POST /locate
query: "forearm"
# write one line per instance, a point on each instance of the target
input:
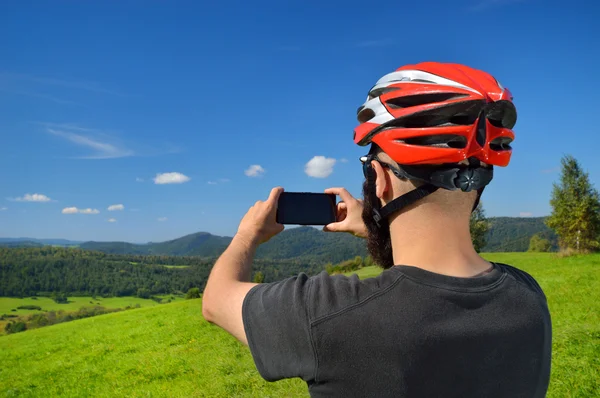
(228, 284)
(235, 264)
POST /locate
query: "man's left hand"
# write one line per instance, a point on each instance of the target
(259, 224)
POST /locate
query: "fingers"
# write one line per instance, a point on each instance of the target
(341, 192)
(274, 196)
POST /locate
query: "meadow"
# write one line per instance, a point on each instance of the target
(8, 304)
(170, 351)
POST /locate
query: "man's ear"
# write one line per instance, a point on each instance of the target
(382, 179)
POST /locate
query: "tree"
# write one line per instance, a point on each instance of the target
(59, 298)
(479, 227)
(575, 208)
(193, 293)
(539, 244)
(258, 277)
(143, 293)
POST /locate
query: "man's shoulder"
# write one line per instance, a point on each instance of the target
(332, 294)
(522, 277)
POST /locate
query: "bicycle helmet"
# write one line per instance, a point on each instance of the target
(432, 117)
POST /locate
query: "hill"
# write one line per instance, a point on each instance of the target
(170, 351)
(512, 234)
(43, 242)
(164, 351)
(303, 244)
(507, 234)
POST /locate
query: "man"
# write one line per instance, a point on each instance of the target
(440, 321)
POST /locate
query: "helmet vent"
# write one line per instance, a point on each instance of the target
(421, 99)
(458, 113)
(441, 141)
(365, 114)
(501, 144)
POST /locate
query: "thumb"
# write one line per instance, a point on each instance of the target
(333, 227)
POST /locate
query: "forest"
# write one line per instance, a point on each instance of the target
(75, 272)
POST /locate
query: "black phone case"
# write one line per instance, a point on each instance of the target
(319, 218)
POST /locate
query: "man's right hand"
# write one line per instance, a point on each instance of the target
(349, 214)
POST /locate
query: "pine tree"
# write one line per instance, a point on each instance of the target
(479, 228)
(575, 208)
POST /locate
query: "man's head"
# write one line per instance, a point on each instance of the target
(435, 132)
(383, 186)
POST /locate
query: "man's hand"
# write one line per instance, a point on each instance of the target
(259, 224)
(349, 214)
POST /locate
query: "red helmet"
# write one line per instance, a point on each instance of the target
(435, 113)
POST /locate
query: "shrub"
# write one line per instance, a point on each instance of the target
(143, 293)
(193, 293)
(59, 298)
(30, 307)
(15, 327)
(539, 244)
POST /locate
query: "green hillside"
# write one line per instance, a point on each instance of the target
(170, 351)
(512, 234)
(506, 234)
(165, 351)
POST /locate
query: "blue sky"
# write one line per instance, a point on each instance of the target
(98, 98)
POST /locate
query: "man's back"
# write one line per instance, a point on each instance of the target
(408, 332)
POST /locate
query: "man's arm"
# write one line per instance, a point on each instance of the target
(229, 280)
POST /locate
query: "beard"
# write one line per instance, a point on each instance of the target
(379, 243)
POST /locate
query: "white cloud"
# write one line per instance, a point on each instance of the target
(211, 183)
(138, 179)
(36, 197)
(89, 211)
(525, 214)
(171, 178)
(162, 219)
(102, 147)
(112, 220)
(343, 160)
(75, 210)
(319, 167)
(116, 207)
(3, 208)
(255, 170)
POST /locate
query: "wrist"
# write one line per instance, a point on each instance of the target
(247, 239)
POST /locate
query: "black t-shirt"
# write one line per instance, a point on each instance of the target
(405, 333)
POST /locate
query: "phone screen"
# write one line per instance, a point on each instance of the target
(304, 208)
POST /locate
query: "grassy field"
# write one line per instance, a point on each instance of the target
(170, 351)
(7, 304)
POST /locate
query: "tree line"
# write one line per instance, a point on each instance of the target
(59, 272)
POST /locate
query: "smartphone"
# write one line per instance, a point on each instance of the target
(306, 208)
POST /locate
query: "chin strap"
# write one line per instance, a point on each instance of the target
(402, 201)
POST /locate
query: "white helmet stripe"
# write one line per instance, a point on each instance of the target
(407, 76)
(381, 113)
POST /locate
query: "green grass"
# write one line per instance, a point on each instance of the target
(75, 303)
(167, 351)
(170, 351)
(176, 266)
(7, 304)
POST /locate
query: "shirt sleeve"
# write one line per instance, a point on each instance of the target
(277, 326)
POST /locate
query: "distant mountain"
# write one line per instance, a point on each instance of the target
(20, 243)
(303, 243)
(199, 244)
(43, 242)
